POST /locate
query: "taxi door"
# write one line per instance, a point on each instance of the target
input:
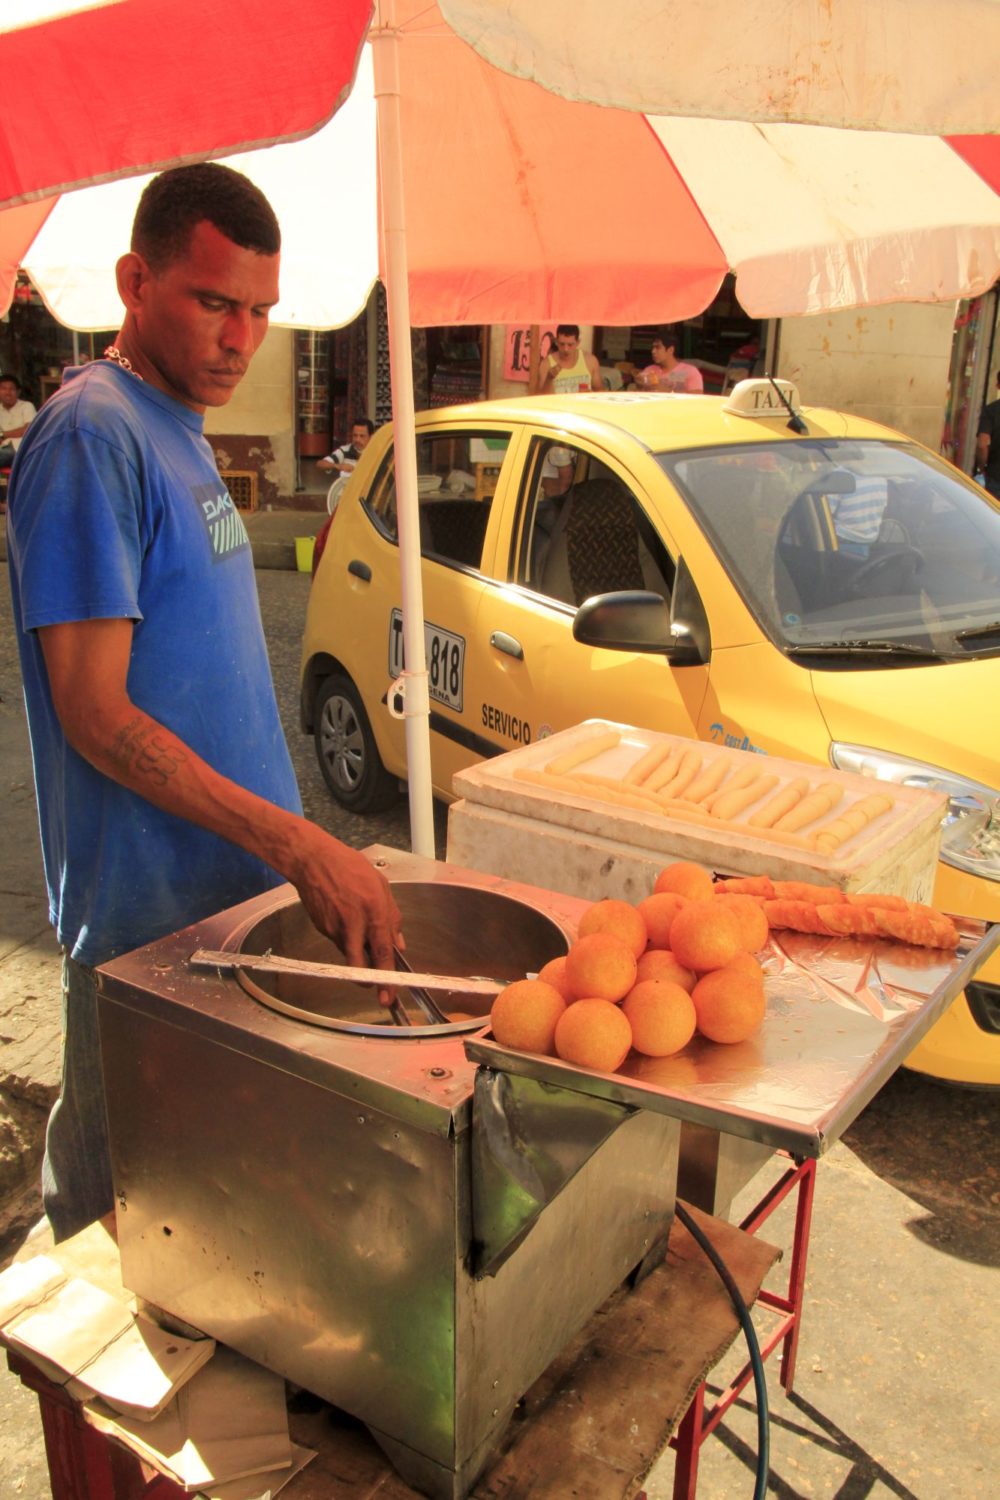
(581, 525)
(460, 474)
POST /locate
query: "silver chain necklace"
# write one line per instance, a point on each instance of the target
(116, 356)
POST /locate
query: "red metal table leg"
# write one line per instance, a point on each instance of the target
(699, 1423)
(687, 1443)
(797, 1275)
(802, 1177)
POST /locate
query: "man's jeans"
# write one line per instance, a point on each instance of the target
(76, 1171)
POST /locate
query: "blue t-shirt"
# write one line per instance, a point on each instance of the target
(116, 511)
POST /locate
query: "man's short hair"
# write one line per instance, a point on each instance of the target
(668, 337)
(13, 381)
(568, 330)
(364, 422)
(179, 199)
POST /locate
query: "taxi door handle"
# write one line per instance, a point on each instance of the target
(360, 570)
(507, 643)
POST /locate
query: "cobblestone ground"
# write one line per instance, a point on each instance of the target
(29, 961)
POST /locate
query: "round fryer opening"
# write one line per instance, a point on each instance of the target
(449, 929)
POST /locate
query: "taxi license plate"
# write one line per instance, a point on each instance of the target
(445, 660)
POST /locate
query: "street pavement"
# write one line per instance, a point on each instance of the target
(896, 1389)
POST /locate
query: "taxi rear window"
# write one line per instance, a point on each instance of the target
(457, 477)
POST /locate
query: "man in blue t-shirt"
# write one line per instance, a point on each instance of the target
(165, 788)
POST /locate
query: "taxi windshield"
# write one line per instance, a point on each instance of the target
(844, 547)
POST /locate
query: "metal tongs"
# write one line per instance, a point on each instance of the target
(432, 1011)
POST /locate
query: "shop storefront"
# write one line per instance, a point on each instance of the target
(344, 374)
(723, 342)
(922, 369)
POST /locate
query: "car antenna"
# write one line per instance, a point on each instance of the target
(795, 422)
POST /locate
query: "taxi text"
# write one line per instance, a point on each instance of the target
(505, 724)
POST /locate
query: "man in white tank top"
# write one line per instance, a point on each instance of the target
(570, 370)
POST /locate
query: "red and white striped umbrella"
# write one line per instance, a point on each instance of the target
(519, 204)
(915, 66)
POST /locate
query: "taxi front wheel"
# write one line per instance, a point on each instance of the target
(346, 750)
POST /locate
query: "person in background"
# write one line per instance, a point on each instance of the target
(988, 446)
(557, 471)
(857, 513)
(555, 480)
(165, 788)
(667, 372)
(15, 415)
(569, 370)
(343, 459)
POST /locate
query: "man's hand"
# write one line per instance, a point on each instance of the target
(549, 374)
(348, 900)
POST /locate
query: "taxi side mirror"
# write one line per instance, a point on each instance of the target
(625, 621)
(635, 621)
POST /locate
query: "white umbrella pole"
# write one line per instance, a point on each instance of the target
(384, 43)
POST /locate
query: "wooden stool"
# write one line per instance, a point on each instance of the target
(594, 1423)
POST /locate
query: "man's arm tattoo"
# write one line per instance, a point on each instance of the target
(142, 748)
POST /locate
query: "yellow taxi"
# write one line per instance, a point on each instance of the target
(741, 569)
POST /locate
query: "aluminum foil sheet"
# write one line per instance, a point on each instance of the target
(842, 1014)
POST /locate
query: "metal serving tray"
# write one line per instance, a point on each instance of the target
(842, 1014)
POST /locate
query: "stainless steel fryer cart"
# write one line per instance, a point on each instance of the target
(338, 1197)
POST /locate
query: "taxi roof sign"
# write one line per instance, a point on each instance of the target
(758, 398)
